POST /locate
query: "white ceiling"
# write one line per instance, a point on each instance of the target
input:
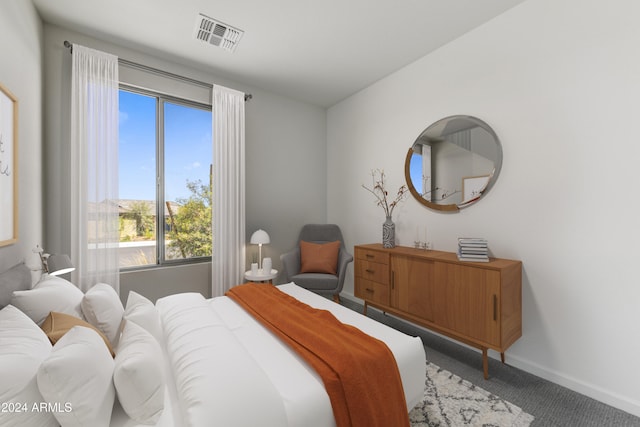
(317, 51)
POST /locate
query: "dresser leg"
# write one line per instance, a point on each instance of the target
(485, 363)
(502, 356)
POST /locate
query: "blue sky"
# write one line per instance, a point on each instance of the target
(188, 147)
(415, 171)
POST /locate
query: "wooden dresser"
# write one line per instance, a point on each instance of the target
(477, 303)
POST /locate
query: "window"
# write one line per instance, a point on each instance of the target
(165, 179)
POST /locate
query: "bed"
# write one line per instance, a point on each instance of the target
(215, 364)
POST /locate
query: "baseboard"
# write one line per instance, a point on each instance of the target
(610, 398)
(613, 399)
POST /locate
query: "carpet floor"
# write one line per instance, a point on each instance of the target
(550, 404)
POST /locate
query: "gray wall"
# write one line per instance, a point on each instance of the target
(285, 163)
(21, 73)
(286, 172)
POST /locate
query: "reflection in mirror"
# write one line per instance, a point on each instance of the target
(453, 163)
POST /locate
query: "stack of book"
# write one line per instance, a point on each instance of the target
(473, 249)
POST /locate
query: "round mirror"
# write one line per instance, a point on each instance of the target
(453, 163)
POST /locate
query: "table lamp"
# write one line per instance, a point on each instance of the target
(260, 237)
(55, 264)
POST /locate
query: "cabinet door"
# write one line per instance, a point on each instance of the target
(411, 286)
(468, 301)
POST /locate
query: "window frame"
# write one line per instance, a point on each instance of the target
(160, 223)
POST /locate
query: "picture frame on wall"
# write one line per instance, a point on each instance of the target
(8, 167)
(473, 186)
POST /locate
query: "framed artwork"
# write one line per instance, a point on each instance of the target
(8, 167)
(473, 186)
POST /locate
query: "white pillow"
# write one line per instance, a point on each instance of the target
(47, 280)
(51, 295)
(23, 347)
(79, 375)
(141, 311)
(139, 374)
(102, 308)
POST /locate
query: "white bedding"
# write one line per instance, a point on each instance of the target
(224, 368)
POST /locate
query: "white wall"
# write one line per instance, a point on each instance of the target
(21, 73)
(285, 162)
(559, 83)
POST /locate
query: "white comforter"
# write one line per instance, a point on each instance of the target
(226, 369)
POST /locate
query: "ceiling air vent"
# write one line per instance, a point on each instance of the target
(216, 33)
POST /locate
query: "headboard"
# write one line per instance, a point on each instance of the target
(16, 278)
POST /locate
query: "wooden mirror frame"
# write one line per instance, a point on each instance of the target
(412, 189)
(453, 207)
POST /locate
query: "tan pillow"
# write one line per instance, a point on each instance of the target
(58, 324)
(319, 257)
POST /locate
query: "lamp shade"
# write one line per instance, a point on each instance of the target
(260, 237)
(59, 264)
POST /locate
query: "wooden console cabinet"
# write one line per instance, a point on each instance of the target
(477, 303)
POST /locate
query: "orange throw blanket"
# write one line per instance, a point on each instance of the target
(359, 372)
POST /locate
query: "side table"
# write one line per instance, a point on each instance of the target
(261, 276)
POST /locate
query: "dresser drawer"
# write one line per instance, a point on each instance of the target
(374, 271)
(372, 291)
(371, 255)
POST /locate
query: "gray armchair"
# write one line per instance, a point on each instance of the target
(322, 283)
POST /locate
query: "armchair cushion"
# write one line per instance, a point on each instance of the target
(319, 282)
(319, 257)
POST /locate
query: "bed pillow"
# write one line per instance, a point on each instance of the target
(24, 347)
(17, 278)
(102, 308)
(47, 280)
(319, 257)
(139, 374)
(59, 295)
(56, 325)
(79, 375)
(142, 312)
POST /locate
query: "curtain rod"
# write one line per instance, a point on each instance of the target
(247, 96)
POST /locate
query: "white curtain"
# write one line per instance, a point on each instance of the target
(94, 168)
(228, 190)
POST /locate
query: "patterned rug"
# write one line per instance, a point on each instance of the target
(451, 401)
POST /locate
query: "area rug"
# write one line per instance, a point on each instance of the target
(451, 401)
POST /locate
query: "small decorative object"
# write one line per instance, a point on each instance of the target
(266, 265)
(419, 244)
(474, 249)
(388, 233)
(379, 190)
(254, 268)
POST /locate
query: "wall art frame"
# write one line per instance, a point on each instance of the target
(8, 167)
(473, 186)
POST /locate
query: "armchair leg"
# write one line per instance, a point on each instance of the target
(336, 298)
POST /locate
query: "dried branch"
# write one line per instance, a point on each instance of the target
(378, 189)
